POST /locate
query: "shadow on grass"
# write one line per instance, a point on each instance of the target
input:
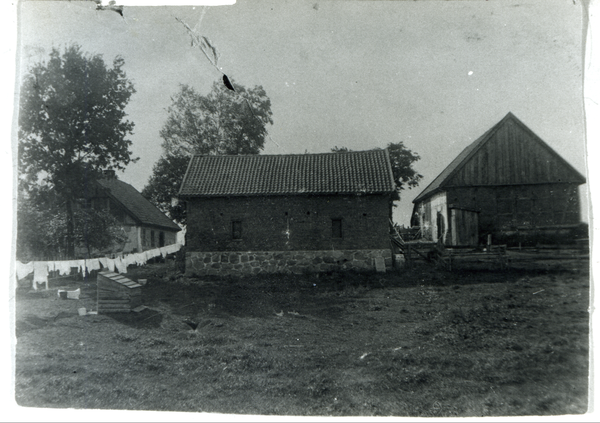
(260, 296)
(145, 319)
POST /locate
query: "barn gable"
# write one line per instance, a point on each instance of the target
(507, 154)
(508, 184)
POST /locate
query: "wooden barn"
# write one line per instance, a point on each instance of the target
(288, 213)
(509, 184)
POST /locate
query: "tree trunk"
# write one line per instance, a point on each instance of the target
(70, 230)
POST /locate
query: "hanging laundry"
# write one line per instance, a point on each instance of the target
(173, 248)
(147, 255)
(141, 258)
(63, 267)
(103, 261)
(153, 253)
(40, 273)
(120, 265)
(163, 252)
(93, 264)
(134, 259)
(24, 270)
(110, 264)
(81, 266)
(129, 259)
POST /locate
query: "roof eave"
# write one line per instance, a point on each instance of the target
(185, 175)
(431, 193)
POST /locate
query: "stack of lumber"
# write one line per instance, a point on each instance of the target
(117, 294)
(494, 254)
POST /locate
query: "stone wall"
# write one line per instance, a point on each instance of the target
(254, 262)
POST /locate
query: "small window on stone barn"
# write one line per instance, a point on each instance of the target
(236, 229)
(336, 228)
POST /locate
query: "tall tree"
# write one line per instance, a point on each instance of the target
(225, 121)
(42, 234)
(164, 184)
(72, 124)
(402, 160)
(222, 122)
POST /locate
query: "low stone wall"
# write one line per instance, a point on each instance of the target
(254, 262)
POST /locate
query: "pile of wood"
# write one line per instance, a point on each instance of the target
(117, 294)
(493, 255)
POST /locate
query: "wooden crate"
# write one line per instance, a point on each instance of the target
(117, 293)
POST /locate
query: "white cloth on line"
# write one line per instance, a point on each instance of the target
(129, 259)
(81, 266)
(120, 265)
(110, 264)
(40, 273)
(63, 267)
(23, 270)
(93, 264)
(103, 261)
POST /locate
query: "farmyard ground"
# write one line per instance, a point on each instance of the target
(419, 342)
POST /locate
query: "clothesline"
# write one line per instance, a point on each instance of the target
(40, 269)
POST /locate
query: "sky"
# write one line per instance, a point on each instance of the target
(360, 74)
(435, 75)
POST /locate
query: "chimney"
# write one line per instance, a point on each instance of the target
(109, 174)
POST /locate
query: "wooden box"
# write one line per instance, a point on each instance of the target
(117, 293)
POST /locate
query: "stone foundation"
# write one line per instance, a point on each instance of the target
(254, 262)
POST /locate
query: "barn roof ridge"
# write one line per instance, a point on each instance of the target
(470, 150)
(361, 172)
(327, 153)
(138, 206)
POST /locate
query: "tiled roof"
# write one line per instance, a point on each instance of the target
(367, 172)
(138, 207)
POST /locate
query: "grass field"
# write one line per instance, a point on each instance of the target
(420, 342)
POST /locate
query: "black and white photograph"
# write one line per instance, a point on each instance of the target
(301, 209)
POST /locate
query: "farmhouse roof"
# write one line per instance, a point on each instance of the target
(136, 204)
(446, 177)
(357, 172)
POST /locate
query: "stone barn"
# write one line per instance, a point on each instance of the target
(288, 213)
(509, 184)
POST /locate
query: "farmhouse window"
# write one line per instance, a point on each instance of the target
(161, 239)
(336, 228)
(151, 238)
(236, 229)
